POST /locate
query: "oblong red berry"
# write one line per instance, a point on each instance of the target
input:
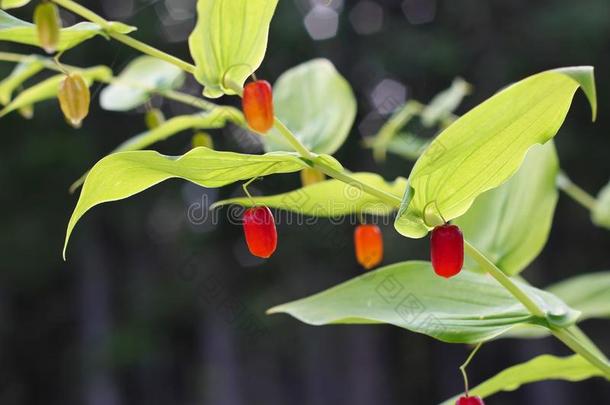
(464, 400)
(257, 104)
(447, 250)
(368, 243)
(260, 232)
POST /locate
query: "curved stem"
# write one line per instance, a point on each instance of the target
(576, 193)
(466, 363)
(125, 39)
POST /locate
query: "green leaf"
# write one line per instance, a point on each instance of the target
(7, 4)
(485, 147)
(22, 72)
(600, 215)
(229, 42)
(444, 103)
(588, 293)
(541, 368)
(317, 104)
(135, 83)
(511, 224)
(47, 89)
(214, 119)
(15, 30)
(469, 308)
(125, 174)
(331, 198)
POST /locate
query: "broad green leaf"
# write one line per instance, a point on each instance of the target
(6, 4)
(331, 198)
(216, 118)
(511, 223)
(469, 308)
(125, 174)
(588, 293)
(47, 89)
(135, 83)
(229, 42)
(600, 215)
(317, 104)
(541, 368)
(486, 146)
(444, 103)
(15, 30)
(22, 72)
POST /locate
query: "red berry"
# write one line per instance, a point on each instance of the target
(447, 250)
(258, 105)
(259, 229)
(465, 400)
(368, 243)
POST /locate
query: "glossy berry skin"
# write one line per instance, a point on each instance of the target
(257, 104)
(469, 401)
(368, 242)
(260, 232)
(447, 250)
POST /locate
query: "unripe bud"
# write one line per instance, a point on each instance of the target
(154, 117)
(48, 25)
(202, 139)
(74, 98)
(311, 176)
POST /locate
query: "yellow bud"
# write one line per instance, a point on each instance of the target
(27, 111)
(74, 98)
(311, 176)
(202, 139)
(154, 117)
(48, 24)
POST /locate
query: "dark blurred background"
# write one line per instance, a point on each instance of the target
(154, 308)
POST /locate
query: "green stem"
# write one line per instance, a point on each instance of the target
(125, 39)
(576, 346)
(466, 363)
(394, 124)
(576, 193)
(293, 141)
(504, 280)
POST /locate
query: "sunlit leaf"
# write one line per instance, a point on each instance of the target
(469, 308)
(541, 368)
(588, 293)
(122, 175)
(331, 198)
(135, 83)
(317, 104)
(15, 30)
(229, 42)
(47, 89)
(511, 223)
(407, 145)
(217, 118)
(7, 4)
(22, 72)
(486, 146)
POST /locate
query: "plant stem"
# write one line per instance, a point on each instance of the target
(293, 141)
(125, 39)
(576, 346)
(576, 193)
(504, 280)
(466, 363)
